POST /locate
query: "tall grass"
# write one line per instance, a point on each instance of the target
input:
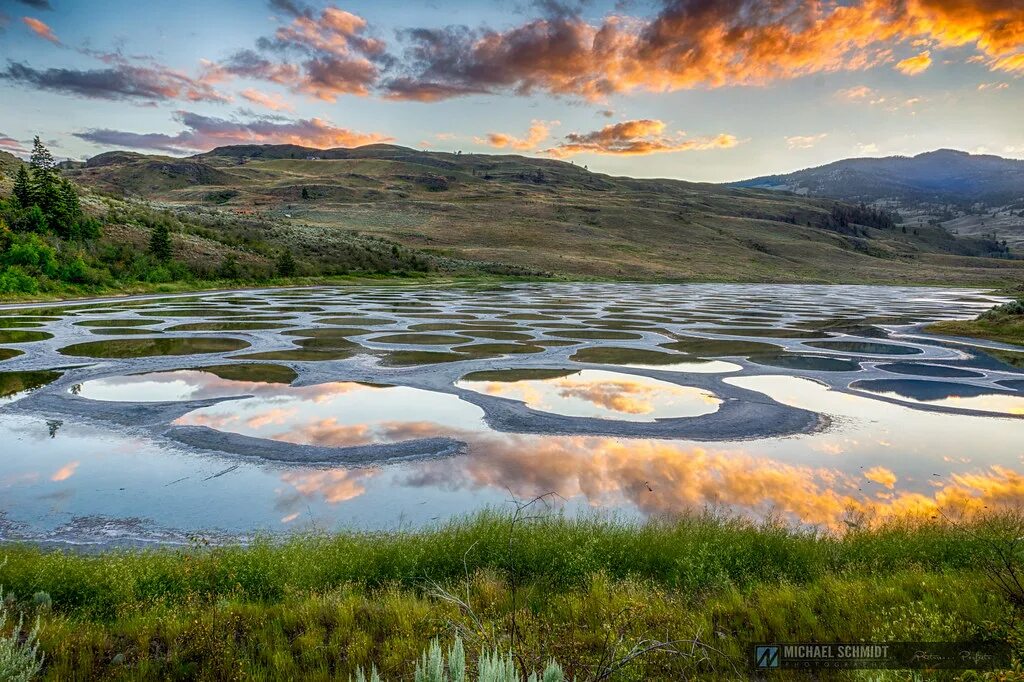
(585, 592)
(691, 554)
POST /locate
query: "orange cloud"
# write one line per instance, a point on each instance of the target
(65, 472)
(881, 476)
(912, 66)
(335, 485)
(41, 29)
(341, 57)
(538, 132)
(705, 44)
(275, 103)
(666, 479)
(633, 138)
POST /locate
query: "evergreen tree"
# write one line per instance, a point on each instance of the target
(46, 190)
(305, 194)
(160, 243)
(66, 211)
(286, 266)
(41, 159)
(23, 187)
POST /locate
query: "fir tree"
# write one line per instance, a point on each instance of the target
(41, 159)
(46, 190)
(66, 211)
(160, 243)
(286, 266)
(23, 187)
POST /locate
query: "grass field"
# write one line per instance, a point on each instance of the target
(588, 593)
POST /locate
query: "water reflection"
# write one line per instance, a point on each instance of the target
(602, 394)
(60, 479)
(945, 394)
(340, 414)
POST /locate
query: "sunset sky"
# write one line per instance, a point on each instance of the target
(710, 90)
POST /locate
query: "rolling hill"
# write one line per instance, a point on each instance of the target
(966, 193)
(542, 215)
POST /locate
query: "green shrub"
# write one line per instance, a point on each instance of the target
(14, 280)
(76, 271)
(32, 253)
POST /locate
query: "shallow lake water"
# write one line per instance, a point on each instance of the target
(156, 419)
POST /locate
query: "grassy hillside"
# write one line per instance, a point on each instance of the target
(57, 240)
(540, 215)
(589, 593)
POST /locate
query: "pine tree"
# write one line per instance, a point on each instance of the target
(67, 210)
(305, 194)
(160, 243)
(286, 266)
(42, 159)
(45, 182)
(23, 187)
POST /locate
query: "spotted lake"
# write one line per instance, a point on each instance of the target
(223, 415)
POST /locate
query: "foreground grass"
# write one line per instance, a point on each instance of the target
(582, 591)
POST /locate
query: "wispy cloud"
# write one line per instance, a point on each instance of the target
(205, 132)
(804, 141)
(272, 102)
(41, 29)
(857, 93)
(912, 66)
(9, 144)
(537, 133)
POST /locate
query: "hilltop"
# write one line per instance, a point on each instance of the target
(543, 215)
(969, 194)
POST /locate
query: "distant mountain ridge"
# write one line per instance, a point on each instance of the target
(943, 176)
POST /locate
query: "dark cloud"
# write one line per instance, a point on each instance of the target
(426, 91)
(289, 7)
(120, 82)
(206, 132)
(37, 4)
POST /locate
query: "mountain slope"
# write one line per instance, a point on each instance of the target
(542, 214)
(941, 176)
